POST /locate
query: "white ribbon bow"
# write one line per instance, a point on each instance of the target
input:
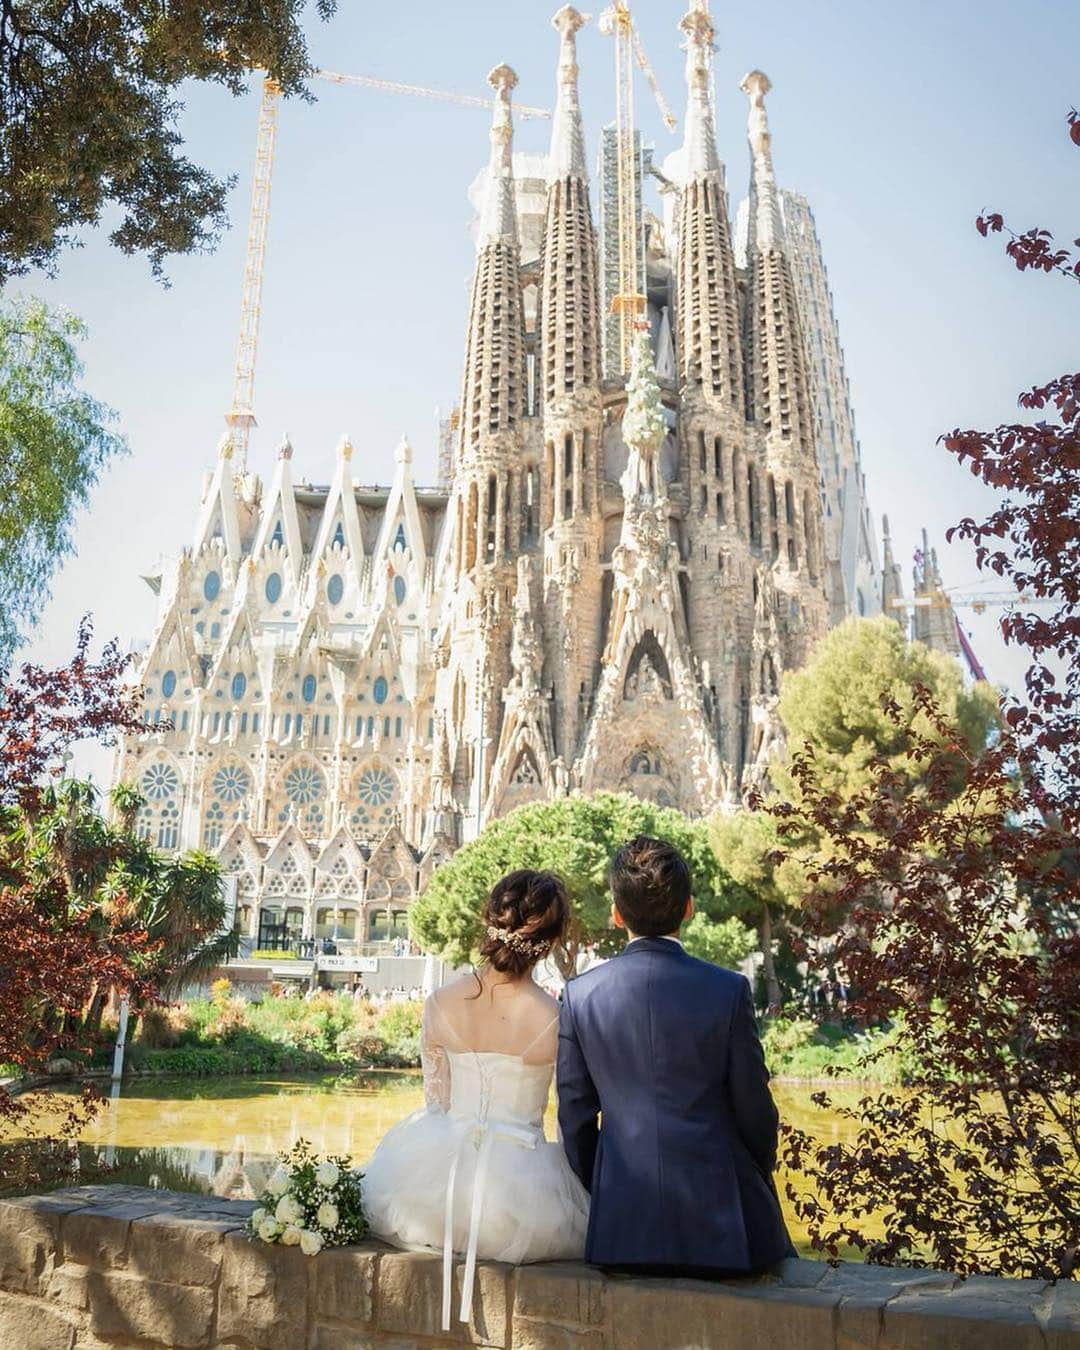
(489, 1132)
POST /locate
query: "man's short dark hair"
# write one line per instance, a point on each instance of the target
(650, 885)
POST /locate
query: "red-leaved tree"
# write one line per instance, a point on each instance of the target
(964, 927)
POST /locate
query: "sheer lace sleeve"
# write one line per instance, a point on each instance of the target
(434, 1061)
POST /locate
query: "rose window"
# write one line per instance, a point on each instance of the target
(231, 783)
(159, 781)
(303, 784)
(375, 787)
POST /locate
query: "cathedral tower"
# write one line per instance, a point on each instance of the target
(488, 481)
(569, 341)
(778, 400)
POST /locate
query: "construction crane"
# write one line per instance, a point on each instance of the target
(241, 416)
(978, 602)
(629, 300)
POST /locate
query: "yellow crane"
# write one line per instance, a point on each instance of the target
(629, 301)
(241, 416)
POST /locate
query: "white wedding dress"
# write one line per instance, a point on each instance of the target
(472, 1173)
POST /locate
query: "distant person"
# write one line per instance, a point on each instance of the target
(664, 1103)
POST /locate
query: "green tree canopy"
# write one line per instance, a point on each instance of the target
(834, 703)
(54, 440)
(88, 117)
(574, 837)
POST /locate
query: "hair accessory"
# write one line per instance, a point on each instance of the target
(515, 941)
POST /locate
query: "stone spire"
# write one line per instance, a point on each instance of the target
(766, 223)
(498, 220)
(493, 394)
(699, 141)
(776, 360)
(710, 359)
(567, 156)
(570, 320)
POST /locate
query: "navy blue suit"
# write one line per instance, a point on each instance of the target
(665, 1048)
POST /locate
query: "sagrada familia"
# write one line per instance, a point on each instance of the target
(345, 681)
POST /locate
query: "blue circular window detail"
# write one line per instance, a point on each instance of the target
(239, 685)
(211, 585)
(380, 690)
(335, 589)
(400, 590)
(308, 688)
(168, 684)
(273, 587)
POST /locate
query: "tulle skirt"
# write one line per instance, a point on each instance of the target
(531, 1205)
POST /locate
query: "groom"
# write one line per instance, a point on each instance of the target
(664, 1047)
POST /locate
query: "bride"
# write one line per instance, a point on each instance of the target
(472, 1172)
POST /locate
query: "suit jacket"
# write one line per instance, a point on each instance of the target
(665, 1048)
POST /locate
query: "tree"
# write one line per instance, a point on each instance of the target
(977, 1166)
(87, 909)
(89, 113)
(54, 441)
(833, 704)
(576, 838)
(746, 844)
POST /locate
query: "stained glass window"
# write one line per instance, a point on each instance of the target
(211, 585)
(273, 587)
(380, 689)
(308, 688)
(400, 589)
(239, 685)
(335, 589)
(168, 684)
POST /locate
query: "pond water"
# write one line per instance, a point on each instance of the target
(221, 1134)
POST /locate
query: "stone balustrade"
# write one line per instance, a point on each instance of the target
(125, 1266)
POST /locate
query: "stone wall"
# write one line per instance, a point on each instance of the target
(123, 1266)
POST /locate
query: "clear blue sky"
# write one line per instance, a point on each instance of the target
(898, 122)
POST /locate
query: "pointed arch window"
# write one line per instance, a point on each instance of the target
(278, 535)
(158, 820)
(339, 535)
(399, 537)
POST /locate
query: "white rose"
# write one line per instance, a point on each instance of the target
(279, 1181)
(257, 1218)
(288, 1210)
(327, 1214)
(292, 1235)
(311, 1244)
(268, 1230)
(327, 1174)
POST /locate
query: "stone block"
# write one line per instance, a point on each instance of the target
(29, 1242)
(675, 1314)
(565, 1292)
(175, 1248)
(409, 1298)
(132, 1307)
(31, 1325)
(344, 1284)
(67, 1285)
(346, 1338)
(1059, 1312)
(532, 1335)
(998, 1314)
(489, 1323)
(94, 1239)
(262, 1294)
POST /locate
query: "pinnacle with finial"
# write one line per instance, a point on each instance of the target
(345, 447)
(567, 154)
(499, 217)
(766, 225)
(403, 453)
(285, 447)
(700, 137)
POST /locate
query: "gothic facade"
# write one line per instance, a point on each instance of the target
(346, 681)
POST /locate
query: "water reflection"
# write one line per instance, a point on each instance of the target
(221, 1135)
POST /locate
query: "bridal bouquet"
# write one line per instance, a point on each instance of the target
(310, 1202)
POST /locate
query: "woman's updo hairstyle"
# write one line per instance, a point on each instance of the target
(525, 916)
